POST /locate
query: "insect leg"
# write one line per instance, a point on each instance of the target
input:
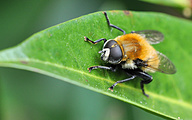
(102, 67)
(133, 32)
(121, 81)
(111, 25)
(95, 42)
(146, 78)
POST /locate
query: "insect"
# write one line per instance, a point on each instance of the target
(134, 54)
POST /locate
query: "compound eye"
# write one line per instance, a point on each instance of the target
(116, 54)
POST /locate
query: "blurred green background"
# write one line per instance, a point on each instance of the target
(26, 95)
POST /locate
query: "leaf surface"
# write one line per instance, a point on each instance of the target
(173, 3)
(61, 52)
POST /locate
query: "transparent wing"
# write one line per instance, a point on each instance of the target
(152, 36)
(165, 65)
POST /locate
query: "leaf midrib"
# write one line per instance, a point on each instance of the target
(154, 95)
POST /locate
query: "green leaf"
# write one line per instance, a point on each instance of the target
(173, 3)
(61, 52)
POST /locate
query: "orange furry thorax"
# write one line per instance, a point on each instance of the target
(135, 46)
